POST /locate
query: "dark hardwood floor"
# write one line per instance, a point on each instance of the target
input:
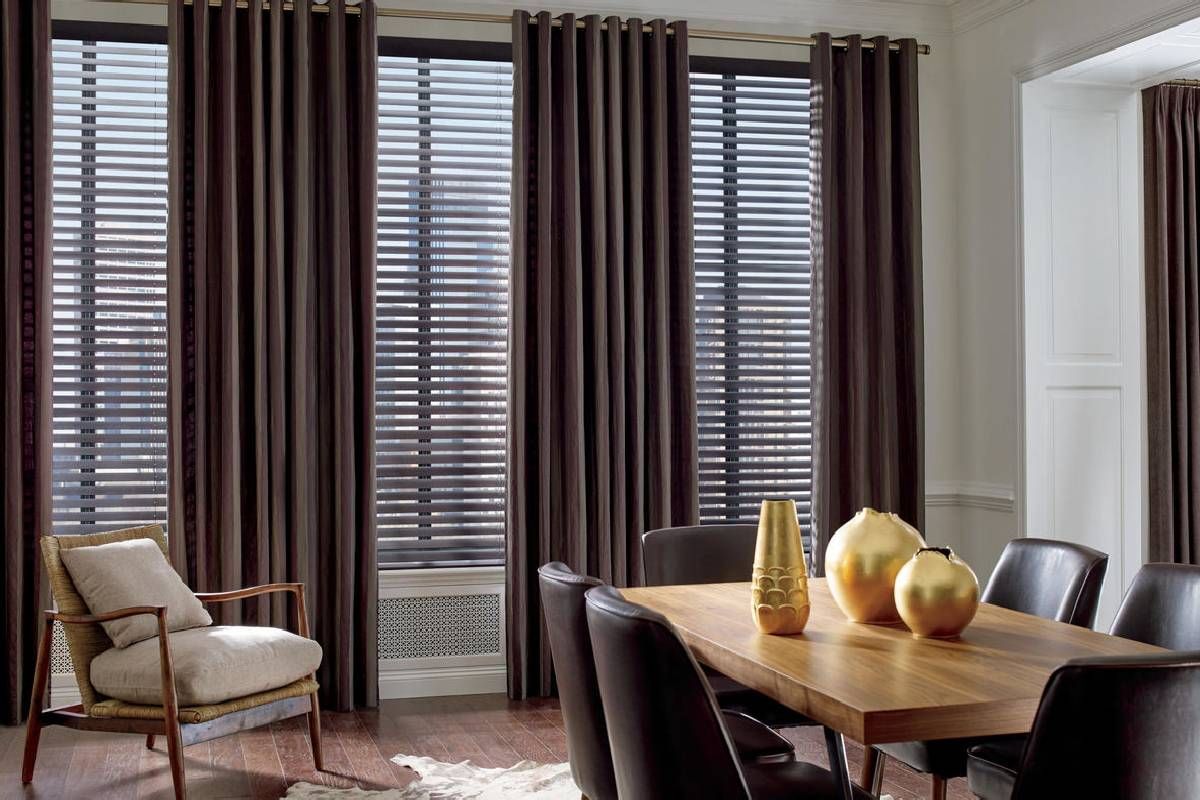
(487, 729)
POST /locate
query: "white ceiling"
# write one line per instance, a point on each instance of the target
(1174, 53)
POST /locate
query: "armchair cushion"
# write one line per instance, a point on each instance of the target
(211, 664)
(135, 572)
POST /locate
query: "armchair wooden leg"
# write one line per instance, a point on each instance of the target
(149, 741)
(314, 732)
(175, 755)
(871, 779)
(937, 788)
(37, 697)
(171, 710)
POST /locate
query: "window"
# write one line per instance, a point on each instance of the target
(445, 137)
(109, 284)
(750, 134)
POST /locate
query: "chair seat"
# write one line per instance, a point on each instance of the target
(190, 715)
(755, 741)
(791, 780)
(944, 757)
(992, 767)
(212, 665)
(734, 696)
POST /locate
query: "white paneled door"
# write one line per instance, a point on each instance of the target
(1084, 353)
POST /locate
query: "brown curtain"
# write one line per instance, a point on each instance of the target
(25, 333)
(868, 395)
(1171, 142)
(271, 317)
(602, 405)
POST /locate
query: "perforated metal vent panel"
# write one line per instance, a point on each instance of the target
(440, 626)
(60, 656)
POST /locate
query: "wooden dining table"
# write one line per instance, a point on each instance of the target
(879, 683)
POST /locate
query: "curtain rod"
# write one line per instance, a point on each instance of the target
(1193, 82)
(506, 19)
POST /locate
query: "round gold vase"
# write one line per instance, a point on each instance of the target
(779, 595)
(861, 562)
(937, 593)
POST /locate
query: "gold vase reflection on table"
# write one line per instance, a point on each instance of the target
(779, 598)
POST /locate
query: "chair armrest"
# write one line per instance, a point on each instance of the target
(249, 591)
(296, 590)
(108, 616)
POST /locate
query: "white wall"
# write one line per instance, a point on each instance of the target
(989, 61)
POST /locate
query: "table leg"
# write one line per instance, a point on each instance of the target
(837, 764)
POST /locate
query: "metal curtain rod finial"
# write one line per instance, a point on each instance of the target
(506, 19)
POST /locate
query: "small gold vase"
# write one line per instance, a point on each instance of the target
(937, 593)
(779, 598)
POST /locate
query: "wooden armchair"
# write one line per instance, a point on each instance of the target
(86, 639)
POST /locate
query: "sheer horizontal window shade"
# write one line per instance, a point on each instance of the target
(110, 206)
(750, 144)
(445, 137)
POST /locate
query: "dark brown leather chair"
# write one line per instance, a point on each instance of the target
(1049, 579)
(667, 736)
(579, 695)
(1046, 578)
(714, 554)
(1106, 729)
(1162, 607)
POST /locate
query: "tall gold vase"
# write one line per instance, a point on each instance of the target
(779, 599)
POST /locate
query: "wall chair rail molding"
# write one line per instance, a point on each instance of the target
(970, 494)
(441, 632)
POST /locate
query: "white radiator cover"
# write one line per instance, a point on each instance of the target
(441, 632)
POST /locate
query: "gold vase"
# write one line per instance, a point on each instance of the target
(861, 562)
(779, 598)
(937, 593)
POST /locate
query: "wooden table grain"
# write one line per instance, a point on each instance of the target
(880, 684)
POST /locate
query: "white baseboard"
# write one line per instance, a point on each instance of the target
(438, 681)
(969, 494)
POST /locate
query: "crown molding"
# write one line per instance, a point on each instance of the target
(1155, 23)
(800, 17)
(968, 14)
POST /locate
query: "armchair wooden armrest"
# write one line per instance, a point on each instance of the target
(296, 590)
(249, 591)
(108, 616)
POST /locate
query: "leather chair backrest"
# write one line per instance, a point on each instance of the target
(575, 669)
(1162, 607)
(664, 729)
(1050, 579)
(1116, 729)
(699, 554)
